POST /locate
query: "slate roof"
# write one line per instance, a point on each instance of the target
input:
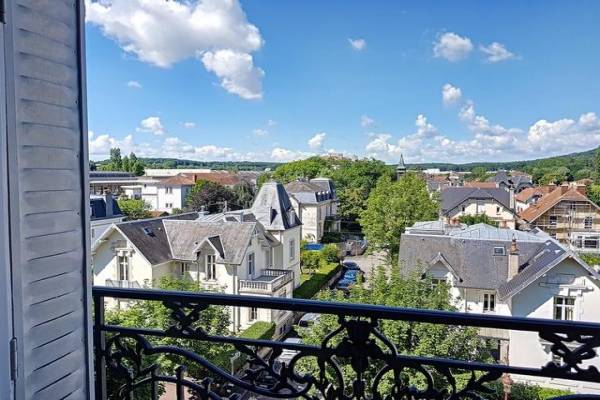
(452, 197)
(311, 192)
(273, 209)
(517, 181)
(470, 254)
(229, 238)
(180, 236)
(98, 208)
(551, 199)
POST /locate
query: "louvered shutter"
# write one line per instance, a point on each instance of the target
(48, 200)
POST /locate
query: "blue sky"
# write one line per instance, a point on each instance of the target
(280, 80)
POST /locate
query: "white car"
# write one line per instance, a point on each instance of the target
(287, 354)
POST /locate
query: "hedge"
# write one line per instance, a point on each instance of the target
(259, 330)
(522, 391)
(312, 283)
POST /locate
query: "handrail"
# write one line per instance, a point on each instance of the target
(356, 310)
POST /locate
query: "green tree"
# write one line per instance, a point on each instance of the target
(593, 192)
(243, 194)
(134, 209)
(115, 161)
(126, 165)
(555, 175)
(477, 219)
(597, 164)
(309, 168)
(418, 339)
(392, 206)
(154, 315)
(209, 196)
(479, 174)
(138, 168)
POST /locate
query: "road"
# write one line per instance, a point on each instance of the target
(367, 262)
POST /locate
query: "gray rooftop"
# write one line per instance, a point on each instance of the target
(273, 209)
(312, 191)
(453, 197)
(470, 253)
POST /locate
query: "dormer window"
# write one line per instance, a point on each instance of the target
(499, 251)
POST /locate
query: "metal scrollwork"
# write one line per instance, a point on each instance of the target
(572, 355)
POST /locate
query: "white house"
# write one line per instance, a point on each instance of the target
(104, 211)
(497, 203)
(315, 202)
(507, 272)
(234, 253)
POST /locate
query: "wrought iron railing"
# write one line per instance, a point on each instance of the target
(121, 353)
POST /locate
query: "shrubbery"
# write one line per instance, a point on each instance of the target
(259, 330)
(522, 391)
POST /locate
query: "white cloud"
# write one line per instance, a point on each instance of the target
(164, 33)
(488, 141)
(236, 71)
(358, 44)
(366, 121)
(316, 142)
(134, 85)
(189, 125)
(496, 52)
(282, 154)
(451, 94)
(270, 122)
(452, 47)
(152, 125)
(259, 132)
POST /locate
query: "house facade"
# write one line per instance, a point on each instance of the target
(315, 202)
(568, 215)
(530, 196)
(232, 253)
(497, 203)
(507, 272)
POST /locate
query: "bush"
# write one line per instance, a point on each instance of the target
(330, 253)
(522, 391)
(312, 284)
(331, 237)
(259, 330)
(310, 260)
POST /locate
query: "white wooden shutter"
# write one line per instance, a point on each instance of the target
(48, 200)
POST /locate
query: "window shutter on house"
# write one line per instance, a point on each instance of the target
(48, 197)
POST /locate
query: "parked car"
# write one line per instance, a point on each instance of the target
(287, 354)
(351, 265)
(345, 284)
(308, 319)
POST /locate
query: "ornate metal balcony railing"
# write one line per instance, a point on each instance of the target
(123, 352)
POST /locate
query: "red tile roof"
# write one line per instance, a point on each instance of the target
(481, 185)
(527, 193)
(223, 178)
(551, 199)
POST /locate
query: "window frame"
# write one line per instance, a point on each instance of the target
(588, 223)
(251, 264)
(253, 314)
(564, 308)
(489, 302)
(123, 267)
(292, 249)
(211, 267)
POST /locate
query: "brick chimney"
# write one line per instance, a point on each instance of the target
(563, 188)
(581, 189)
(513, 259)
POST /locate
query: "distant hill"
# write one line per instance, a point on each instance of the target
(217, 165)
(584, 159)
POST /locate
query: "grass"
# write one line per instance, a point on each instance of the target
(311, 284)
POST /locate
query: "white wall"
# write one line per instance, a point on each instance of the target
(537, 301)
(492, 209)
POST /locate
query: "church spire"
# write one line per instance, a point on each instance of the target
(401, 168)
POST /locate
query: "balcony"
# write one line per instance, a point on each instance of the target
(269, 281)
(125, 357)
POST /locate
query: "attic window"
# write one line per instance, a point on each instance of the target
(148, 231)
(499, 251)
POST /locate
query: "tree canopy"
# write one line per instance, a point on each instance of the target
(134, 209)
(393, 206)
(125, 164)
(209, 196)
(389, 288)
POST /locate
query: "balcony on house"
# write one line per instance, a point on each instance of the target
(268, 282)
(115, 283)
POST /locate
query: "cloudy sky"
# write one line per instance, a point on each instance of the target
(279, 80)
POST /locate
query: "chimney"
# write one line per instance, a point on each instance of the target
(109, 200)
(511, 200)
(563, 188)
(513, 259)
(581, 189)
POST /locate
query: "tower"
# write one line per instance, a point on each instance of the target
(401, 168)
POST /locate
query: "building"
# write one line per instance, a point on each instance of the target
(497, 203)
(400, 168)
(315, 202)
(104, 211)
(516, 180)
(254, 252)
(530, 196)
(111, 181)
(568, 215)
(506, 272)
